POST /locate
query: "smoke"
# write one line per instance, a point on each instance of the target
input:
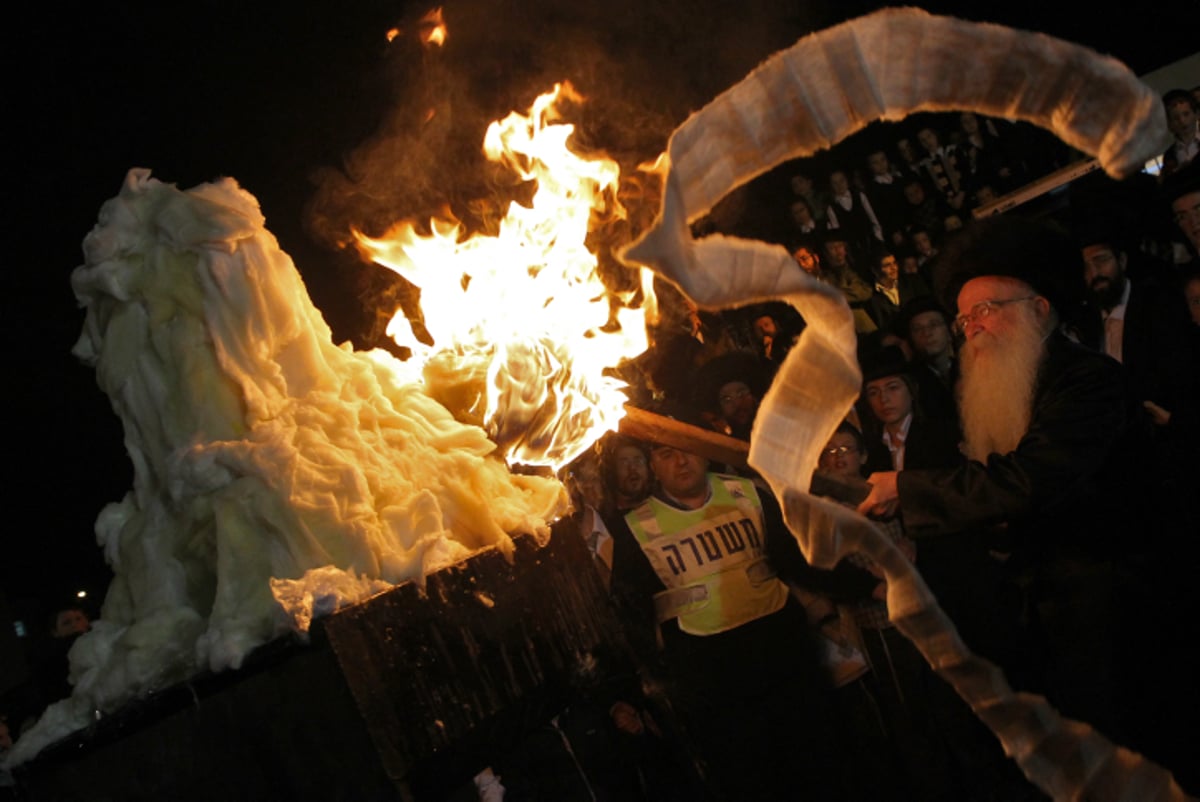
(641, 70)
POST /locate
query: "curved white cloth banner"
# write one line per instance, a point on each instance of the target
(826, 87)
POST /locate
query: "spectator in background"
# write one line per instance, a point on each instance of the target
(901, 437)
(984, 157)
(892, 289)
(943, 752)
(729, 389)
(1143, 324)
(926, 326)
(885, 190)
(910, 262)
(1191, 294)
(625, 472)
(775, 328)
(803, 219)
(1136, 320)
(909, 165)
(808, 257)
(51, 669)
(850, 212)
(927, 211)
(926, 250)
(1182, 191)
(1183, 118)
(840, 271)
(803, 186)
(586, 489)
(942, 167)
(69, 621)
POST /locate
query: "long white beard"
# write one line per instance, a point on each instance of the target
(999, 377)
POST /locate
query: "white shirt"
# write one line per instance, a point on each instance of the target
(893, 292)
(845, 201)
(896, 444)
(1186, 151)
(1114, 325)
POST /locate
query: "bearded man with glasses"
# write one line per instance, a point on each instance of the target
(1021, 535)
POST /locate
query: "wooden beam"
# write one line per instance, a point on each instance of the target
(652, 428)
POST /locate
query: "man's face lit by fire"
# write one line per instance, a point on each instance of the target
(928, 139)
(837, 253)
(632, 473)
(838, 183)
(1001, 319)
(766, 331)
(801, 213)
(841, 457)
(878, 162)
(1186, 209)
(923, 243)
(930, 334)
(1104, 275)
(682, 475)
(890, 399)
(889, 268)
(70, 622)
(807, 260)
(1006, 324)
(586, 483)
(969, 123)
(1181, 119)
(738, 404)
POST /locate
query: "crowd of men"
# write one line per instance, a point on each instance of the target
(1026, 434)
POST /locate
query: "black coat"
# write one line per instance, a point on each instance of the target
(930, 444)
(884, 312)
(1057, 487)
(1156, 350)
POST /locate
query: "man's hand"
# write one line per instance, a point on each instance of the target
(884, 498)
(1160, 416)
(626, 718)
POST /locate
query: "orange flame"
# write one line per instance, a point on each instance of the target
(433, 28)
(522, 324)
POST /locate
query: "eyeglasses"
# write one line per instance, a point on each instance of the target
(840, 451)
(981, 310)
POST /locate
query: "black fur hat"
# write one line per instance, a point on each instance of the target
(1038, 252)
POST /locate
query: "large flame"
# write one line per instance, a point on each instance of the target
(522, 325)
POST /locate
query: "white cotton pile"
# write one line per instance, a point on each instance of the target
(264, 454)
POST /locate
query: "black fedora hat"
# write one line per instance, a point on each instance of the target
(1038, 252)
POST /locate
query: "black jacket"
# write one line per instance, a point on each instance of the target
(1061, 487)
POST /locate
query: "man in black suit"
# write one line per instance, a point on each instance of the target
(1038, 523)
(1142, 323)
(899, 436)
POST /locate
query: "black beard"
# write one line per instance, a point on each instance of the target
(1107, 296)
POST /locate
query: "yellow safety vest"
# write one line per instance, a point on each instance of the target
(712, 559)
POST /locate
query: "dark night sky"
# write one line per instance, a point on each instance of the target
(277, 94)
